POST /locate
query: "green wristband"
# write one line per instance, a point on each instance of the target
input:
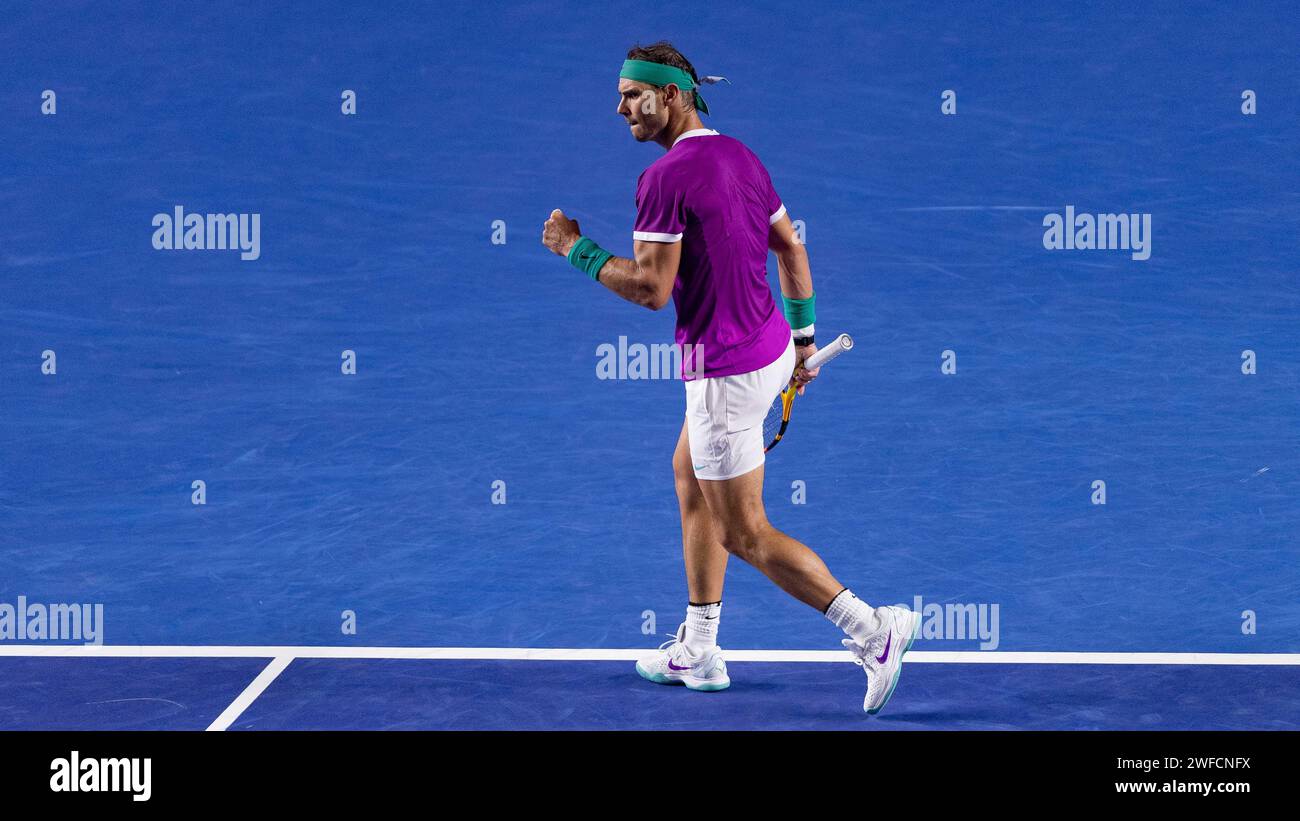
(588, 257)
(800, 313)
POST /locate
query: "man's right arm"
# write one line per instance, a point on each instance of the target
(648, 279)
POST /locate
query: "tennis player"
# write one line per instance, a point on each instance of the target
(707, 214)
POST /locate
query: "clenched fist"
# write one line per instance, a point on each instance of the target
(560, 233)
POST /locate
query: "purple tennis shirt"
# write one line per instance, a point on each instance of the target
(712, 194)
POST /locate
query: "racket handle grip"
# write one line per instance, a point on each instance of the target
(838, 345)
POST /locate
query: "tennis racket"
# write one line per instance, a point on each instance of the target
(778, 416)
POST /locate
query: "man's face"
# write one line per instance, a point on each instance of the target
(642, 105)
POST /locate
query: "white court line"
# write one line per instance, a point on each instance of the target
(250, 694)
(287, 653)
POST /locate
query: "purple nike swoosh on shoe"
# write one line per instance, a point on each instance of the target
(672, 666)
(879, 659)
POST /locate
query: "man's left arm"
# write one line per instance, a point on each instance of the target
(795, 277)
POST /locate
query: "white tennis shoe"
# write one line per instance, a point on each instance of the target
(673, 664)
(881, 655)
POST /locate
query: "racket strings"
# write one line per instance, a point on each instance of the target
(774, 418)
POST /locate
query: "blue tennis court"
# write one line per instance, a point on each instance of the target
(363, 471)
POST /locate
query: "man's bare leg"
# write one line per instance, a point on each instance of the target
(704, 555)
(877, 637)
(743, 529)
(694, 659)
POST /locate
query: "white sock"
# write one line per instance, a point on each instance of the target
(702, 627)
(853, 616)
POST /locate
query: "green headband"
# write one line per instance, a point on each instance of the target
(658, 74)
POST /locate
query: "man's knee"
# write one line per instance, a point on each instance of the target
(744, 539)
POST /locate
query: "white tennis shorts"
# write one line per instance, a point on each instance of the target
(724, 418)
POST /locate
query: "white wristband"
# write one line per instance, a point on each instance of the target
(801, 332)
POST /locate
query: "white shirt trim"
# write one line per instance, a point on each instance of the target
(650, 236)
(695, 132)
(780, 212)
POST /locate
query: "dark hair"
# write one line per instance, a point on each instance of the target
(664, 52)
